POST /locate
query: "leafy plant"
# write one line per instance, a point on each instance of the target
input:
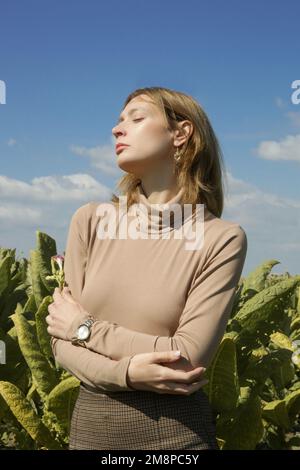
(254, 378)
(36, 395)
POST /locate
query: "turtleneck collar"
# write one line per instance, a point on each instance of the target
(158, 217)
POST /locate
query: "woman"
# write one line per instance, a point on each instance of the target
(150, 292)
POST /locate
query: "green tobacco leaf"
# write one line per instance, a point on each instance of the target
(292, 401)
(243, 428)
(223, 386)
(43, 375)
(41, 328)
(27, 417)
(261, 313)
(46, 247)
(276, 413)
(281, 340)
(40, 266)
(60, 404)
(38, 287)
(30, 305)
(5, 276)
(256, 279)
(268, 365)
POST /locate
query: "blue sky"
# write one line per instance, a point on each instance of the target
(68, 67)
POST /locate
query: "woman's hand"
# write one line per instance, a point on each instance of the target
(147, 371)
(65, 315)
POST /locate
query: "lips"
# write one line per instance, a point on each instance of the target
(120, 147)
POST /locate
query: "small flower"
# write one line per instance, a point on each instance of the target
(59, 260)
(57, 266)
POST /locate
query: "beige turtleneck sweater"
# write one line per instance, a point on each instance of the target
(148, 293)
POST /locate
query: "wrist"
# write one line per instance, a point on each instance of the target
(128, 380)
(82, 329)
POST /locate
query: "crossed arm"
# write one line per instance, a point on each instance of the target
(201, 327)
(92, 368)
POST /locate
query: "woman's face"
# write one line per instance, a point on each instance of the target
(142, 127)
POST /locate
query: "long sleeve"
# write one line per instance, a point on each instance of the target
(90, 367)
(205, 315)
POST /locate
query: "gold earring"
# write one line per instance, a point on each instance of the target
(177, 155)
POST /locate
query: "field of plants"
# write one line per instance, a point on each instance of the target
(254, 379)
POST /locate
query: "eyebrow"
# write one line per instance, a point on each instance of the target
(129, 112)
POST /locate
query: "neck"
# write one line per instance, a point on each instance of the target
(155, 211)
(159, 192)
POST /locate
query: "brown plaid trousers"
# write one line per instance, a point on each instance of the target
(141, 420)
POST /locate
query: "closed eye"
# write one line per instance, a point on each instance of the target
(138, 119)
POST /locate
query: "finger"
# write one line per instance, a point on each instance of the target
(200, 383)
(49, 320)
(51, 308)
(51, 331)
(175, 388)
(184, 389)
(182, 375)
(164, 356)
(57, 297)
(195, 374)
(66, 294)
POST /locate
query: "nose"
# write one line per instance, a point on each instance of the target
(116, 132)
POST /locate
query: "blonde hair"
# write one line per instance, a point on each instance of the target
(201, 166)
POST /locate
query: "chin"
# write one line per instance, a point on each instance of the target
(128, 166)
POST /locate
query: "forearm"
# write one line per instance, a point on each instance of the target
(203, 320)
(118, 342)
(115, 341)
(90, 367)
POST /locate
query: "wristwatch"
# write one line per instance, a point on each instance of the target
(83, 332)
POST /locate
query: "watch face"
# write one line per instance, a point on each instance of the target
(83, 332)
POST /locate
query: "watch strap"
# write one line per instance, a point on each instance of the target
(88, 322)
(78, 342)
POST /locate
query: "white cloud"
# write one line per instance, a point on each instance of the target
(249, 205)
(17, 214)
(76, 187)
(11, 142)
(271, 222)
(101, 157)
(285, 149)
(45, 204)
